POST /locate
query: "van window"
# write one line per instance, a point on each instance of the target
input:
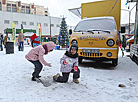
(96, 24)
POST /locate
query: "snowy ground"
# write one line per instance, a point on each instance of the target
(98, 82)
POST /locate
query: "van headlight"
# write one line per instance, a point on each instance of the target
(109, 54)
(110, 42)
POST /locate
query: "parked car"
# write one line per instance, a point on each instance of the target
(128, 43)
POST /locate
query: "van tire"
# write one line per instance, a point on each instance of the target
(80, 60)
(115, 62)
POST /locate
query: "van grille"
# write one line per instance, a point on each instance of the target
(91, 54)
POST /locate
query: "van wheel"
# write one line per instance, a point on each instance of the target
(115, 62)
(80, 60)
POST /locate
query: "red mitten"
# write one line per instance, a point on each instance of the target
(75, 68)
(64, 62)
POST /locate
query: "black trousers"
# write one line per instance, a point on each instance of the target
(38, 68)
(65, 76)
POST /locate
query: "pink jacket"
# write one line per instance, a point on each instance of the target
(38, 52)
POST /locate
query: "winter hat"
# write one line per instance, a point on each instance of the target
(74, 46)
(33, 36)
(50, 45)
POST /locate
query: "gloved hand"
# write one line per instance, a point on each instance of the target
(49, 64)
(64, 62)
(75, 68)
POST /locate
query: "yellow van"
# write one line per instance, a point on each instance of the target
(97, 39)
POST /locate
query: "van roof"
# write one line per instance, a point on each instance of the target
(108, 17)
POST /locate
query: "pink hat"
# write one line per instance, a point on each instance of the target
(50, 45)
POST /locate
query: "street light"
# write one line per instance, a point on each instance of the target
(129, 15)
(50, 26)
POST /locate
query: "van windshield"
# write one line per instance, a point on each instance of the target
(96, 24)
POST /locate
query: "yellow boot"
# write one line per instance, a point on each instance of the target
(76, 81)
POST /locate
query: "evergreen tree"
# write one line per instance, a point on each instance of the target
(63, 38)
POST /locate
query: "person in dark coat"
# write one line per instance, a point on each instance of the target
(123, 42)
(1, 41)
(69, 64)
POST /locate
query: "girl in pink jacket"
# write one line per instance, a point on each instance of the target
(35, 56)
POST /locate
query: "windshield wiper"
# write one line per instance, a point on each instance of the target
(79, 31)
(91, 31)
(105, 31)
(101, 30)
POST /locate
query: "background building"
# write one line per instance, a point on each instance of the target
(29, 15)
(17, 6)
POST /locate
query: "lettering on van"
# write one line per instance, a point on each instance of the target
(92, 37)
(90, 43)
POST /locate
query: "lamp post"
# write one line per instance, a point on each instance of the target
(50, 26)
(129, 15)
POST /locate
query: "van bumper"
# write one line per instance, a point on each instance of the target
(102, 53)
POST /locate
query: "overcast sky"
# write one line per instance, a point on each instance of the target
(57, 8)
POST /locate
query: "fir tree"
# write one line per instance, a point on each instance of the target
(63, 38)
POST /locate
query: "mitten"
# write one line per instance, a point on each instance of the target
(64, 62)
(49, 64)
(75, 68)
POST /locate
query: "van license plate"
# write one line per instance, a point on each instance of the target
(90, 50)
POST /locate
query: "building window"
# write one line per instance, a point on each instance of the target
(8, 4)
(45, 24)
(24, 23)
(6, 22)
(38, 23)
(13, 5)
(0, 8)
(23, 6)
(57, 25)
(27, 11)
(52, 25)
(28, 7)
(31, 23)
(14, 9)
(23, 11)
(8, 9)
(15, 22)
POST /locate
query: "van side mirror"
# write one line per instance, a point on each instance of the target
(70, 31)
(123, 29)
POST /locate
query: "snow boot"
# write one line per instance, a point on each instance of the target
(39, 77)
(34, 78)
(76, 81)
(56, 76)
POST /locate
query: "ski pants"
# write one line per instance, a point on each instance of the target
(65, 76)
(38, 68)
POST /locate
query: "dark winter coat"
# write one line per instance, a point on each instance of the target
(1, 39)
(123, 41)
(72, 61)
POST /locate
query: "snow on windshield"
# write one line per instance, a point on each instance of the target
(96, 24)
